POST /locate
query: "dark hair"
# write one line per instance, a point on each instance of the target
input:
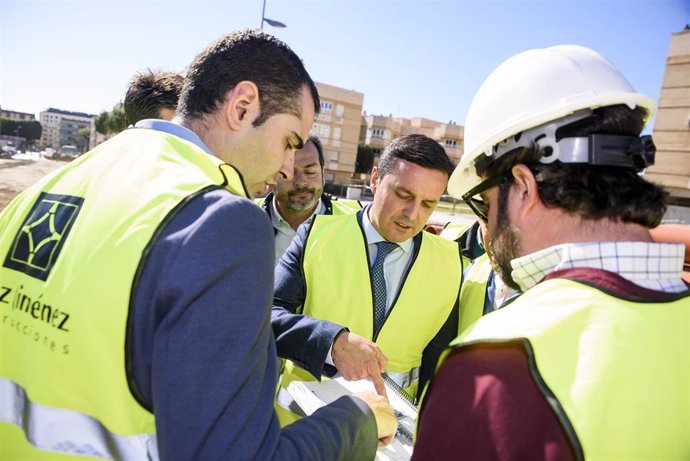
(319, 147)
(246, 55)
(418, 149)
(150, 92)
(593, 191)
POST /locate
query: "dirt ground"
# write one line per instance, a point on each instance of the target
(17, 175)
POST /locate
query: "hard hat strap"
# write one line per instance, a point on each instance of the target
(635, 152)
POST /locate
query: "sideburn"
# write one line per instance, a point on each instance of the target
(504, 243)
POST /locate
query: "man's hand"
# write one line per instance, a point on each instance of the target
(386, 422)
(358, 358)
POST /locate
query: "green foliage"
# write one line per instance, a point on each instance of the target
(83, 136)
(111, 122)
(101, 122)
(28, 129)
(117, 120)
(365, 159)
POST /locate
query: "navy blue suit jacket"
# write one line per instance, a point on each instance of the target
(200, 349)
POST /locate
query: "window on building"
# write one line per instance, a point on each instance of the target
(451, 143)
(321, 130)
(337, 133)
(378, 133)
(326, 106)
(339, 110)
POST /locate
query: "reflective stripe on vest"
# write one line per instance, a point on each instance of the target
(67, 431)
(63, 335)
(619, 370)
(405, 379)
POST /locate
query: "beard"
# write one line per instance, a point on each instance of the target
(505, 243)
(302, 203)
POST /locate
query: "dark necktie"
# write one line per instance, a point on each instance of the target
(383, 250)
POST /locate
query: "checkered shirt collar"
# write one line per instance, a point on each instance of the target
(657, 266)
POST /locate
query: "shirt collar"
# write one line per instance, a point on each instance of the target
(373, 236)
(651, 265)
(175, 130)
(279, 221)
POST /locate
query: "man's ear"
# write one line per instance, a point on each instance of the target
(374, 179)
(526, 189)
(242, 105)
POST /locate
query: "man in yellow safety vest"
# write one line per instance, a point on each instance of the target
(592, 360)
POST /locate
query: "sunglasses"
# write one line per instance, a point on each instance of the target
(476, 204)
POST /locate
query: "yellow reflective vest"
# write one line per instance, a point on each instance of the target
(473, 291)
(346, 206)
(453, 230)
(615, 369)
(72, 247)
(339, 289)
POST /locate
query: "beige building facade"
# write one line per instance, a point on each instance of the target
(378, 130)
(672, 126)
(337, 126)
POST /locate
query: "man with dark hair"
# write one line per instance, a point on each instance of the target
(150, 273)
(365, 293)
(152, 95)
(297, 200)
(591, 361)
(278, 73)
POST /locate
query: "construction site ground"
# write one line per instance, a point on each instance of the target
(16, 174)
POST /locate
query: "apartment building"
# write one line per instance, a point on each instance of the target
(337, 126)
(378, 130)
(15, 115)
(61, 127)
(672, 126)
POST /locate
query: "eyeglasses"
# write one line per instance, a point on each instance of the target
(479, 206)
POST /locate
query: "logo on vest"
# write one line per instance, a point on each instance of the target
(40, 238)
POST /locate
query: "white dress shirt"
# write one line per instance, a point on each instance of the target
(285, 233)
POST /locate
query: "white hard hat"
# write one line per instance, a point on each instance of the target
(532, 89)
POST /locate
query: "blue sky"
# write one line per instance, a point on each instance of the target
(409, 57)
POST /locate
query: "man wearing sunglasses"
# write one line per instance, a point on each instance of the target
(591, 361)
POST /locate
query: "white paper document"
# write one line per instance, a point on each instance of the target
(312, 395)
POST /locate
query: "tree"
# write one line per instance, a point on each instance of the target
(101, 122)
(111, 122)
(83, 136)
(28, 129)
(117, 120)
(365, 159)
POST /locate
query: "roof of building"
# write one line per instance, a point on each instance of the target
(66, 112)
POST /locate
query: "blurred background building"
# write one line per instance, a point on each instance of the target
(672, 125)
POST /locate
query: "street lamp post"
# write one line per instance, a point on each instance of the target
(271, 22)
